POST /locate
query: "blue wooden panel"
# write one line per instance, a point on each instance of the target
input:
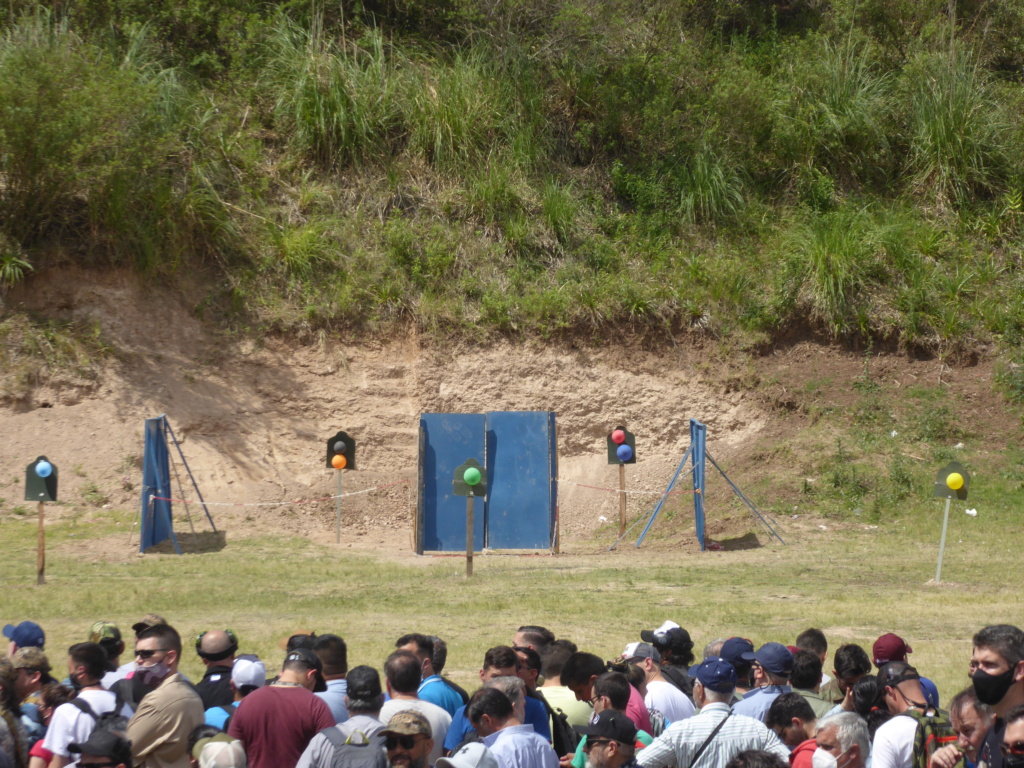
(521, 469)
(446, 441)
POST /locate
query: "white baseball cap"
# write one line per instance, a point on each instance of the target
(248, 671)
(472, 755)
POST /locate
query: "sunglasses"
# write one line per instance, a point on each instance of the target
(404, 741)
(1016, 748)
(148, 654)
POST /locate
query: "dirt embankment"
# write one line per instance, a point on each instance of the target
(253, 418)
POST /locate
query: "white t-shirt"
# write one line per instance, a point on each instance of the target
(668, 700)
(893, 746)
(70, 725)
(438, 718)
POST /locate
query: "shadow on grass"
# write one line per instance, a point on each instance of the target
(746, 541)
(192, 543)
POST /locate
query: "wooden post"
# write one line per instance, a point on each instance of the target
(337, 537)
(942, 543)
(622, 499)
(470, 500)
(41, 554)
(558, 531)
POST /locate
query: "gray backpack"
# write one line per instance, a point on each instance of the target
(357, 751)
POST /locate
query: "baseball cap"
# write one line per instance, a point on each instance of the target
(363, 683)
(775, 657)
(612, 724)
(472, 755)
(733, 650)
(641, 651)
(248, 670)
(223, 754)
(408, 722)
(32, 658)
(668, 635)
(102, 743)
(149, 620)
(311, 660)
(26, 635)
(716, 674)
(890, 647)
(219, 738)
(104, 632)
(896, 672)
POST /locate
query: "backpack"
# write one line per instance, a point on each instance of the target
(109, 721)
(564, 738)
(367, 753)
(124, 695)
(933, 731)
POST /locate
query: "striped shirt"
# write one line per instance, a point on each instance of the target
(680, 742)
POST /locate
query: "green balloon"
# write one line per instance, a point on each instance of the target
(471, 476)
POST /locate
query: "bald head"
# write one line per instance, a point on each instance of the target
(216, 647)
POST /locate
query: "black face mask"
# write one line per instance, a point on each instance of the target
(1013, 761)
(992, 688)
(76, 681)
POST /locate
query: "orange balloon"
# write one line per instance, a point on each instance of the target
(339, 461)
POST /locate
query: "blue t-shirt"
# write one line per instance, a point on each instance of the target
(536, 715)
(437, 691)
(216, 716)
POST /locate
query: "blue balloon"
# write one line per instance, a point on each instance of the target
(44, 469)
(624, 452)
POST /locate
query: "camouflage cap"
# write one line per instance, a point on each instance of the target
(408, 722)
(149, 620)
(31, 658)
(105, 630)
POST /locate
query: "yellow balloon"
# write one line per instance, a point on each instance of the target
(339, 462)
(955, 481)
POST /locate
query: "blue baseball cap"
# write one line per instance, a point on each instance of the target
(28, 634)
(774, 657)
(716, 674)
(733, 650)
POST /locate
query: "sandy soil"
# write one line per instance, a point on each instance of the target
(253, 418)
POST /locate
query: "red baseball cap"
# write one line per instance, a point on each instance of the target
(890, 647)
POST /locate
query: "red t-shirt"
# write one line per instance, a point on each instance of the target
(276, 724)
(636, 711)
(801, 755)
(38, 750)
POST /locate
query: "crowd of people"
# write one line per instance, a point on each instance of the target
(541, 703)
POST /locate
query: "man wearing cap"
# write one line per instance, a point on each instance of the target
(735, 651)
(715, 735)
(277, 722)
(31, 673)
(514, 744)
(161, 725)
(611, 741)
(216, 648)
(219, 751)
(103, 748)
(661, 694)
(893, 745)
(408, 740)
(772, 665)
(248, 674)
(676, 649)
(27, 634)
(402, 676)
(73, 722)
(363, 699)
(108, 636)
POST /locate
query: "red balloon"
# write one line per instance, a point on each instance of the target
(339, 461)
(618, 437)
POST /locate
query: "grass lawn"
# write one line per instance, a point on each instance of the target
(852, 581)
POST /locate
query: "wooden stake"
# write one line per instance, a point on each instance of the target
(622, 499)
(41, 554)
(469, 535)
(337, 537)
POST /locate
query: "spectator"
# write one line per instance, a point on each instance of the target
(756, 758)
(216, 648)
(160, 727)
(661, 694)
(31, 673)
(558, 696)
(735, 651)
(814, 640)
(432, 688)
(713, 689)
(52, 696)
(674, 645)
(402, 676)
(13, 747)
(363, 700)
(900, 687)
(276, 723)
(771, 665)
(850, 664)
(611, 694)
(794, 722)
(533, 636)
(842, 742)
(471, 755)
(514, 744)
(73, 722)
(580, 672)
(333, 654)
(806, 680)
(108, 636)
(439, 658)
(610, 741)
(27, 634)
(248, 674)
(997, 674)
(408, 740)
(1013, 738)
(971, 720)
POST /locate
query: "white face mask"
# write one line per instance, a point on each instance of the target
(152, 674)
(823, 759)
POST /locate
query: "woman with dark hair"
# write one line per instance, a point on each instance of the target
(12, 733)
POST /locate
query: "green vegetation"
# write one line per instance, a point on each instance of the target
(849, 168)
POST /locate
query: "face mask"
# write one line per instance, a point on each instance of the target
(152, 675)
(1013, 761)
(76, 681)
(824, 759)
(991, 688)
